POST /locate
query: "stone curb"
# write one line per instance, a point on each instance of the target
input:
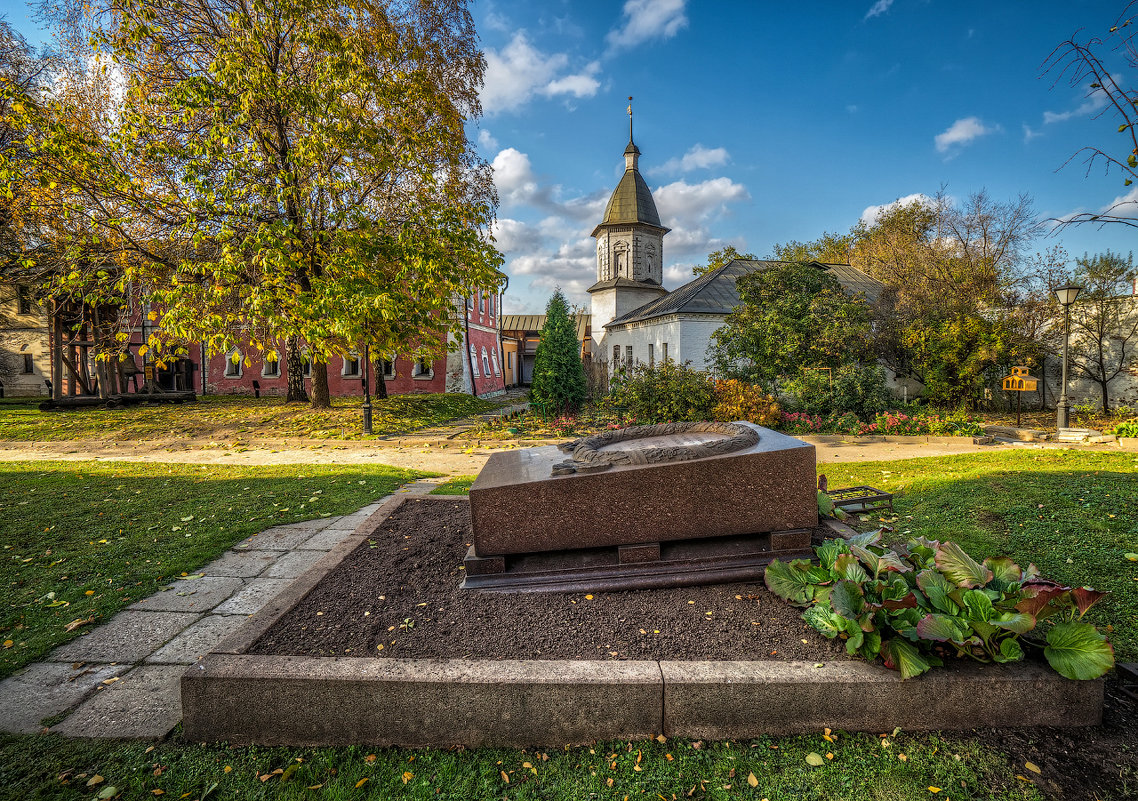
(310, 701)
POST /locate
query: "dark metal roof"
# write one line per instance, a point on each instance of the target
(715, 292)
(632, 202)
(533, 323)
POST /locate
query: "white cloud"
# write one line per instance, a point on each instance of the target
(648, 19)
(486, 140)
(878, 8)
(681, 201)
(1096, 101)
(1029, 134)
(961, 133)
(514, 178)
(519, 71)
(873, 213)
(697, 158)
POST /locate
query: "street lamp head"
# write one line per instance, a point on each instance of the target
(1067, 294)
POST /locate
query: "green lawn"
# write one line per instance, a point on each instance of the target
(82, 540)
(235, 418)
(1070, 512)
(459, 485)
(48, 767)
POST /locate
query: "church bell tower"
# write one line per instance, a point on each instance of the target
(630, 249)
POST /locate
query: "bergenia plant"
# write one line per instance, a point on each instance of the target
(930, 600)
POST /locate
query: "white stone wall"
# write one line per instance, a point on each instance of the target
(686, 336)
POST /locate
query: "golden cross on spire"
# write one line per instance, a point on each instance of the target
(630, 118)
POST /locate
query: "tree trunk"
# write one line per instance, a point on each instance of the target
(1105, 397)
(294, 372)
(320, 396)
(380, 390)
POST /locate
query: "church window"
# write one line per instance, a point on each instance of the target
(628, 355)
(474, 361)
(651, 354)
(485, 364)
(615, 355)
(620, 259)
(664, 351)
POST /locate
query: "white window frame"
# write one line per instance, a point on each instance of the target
(651, 354)
(388, 375)
(485, 363)
(237, 366)
(417, 370)
(344, 369)
(266, 363)
(497, 367)
(474, 362)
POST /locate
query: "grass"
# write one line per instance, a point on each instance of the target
(48, 767)
(459, 485)
(1072, 513)
(990, 503)
(235, 417)
(85, 540)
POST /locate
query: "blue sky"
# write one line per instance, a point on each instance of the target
(762, 122)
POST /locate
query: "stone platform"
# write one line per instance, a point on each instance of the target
(644, 488)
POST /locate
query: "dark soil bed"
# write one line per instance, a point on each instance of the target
(397, 595)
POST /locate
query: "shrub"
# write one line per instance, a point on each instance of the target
(738, 400)
(558, 374)
(1127, 429)
(931, 600)
(854, 388)
(663, 392)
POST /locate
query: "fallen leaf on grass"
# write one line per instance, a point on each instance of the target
(74, 624)
(96, 779)
(505, 778)
(752, 780)
(228, 768)
(1032, 767)
(362, 782)
(407, 776)
(156, 791)
(108, 792)
(8, 643)
(934, 789)
(815, 759)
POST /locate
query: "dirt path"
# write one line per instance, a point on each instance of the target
(453, 460)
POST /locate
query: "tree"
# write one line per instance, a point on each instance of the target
(558, 373)
(830, 248)
(281, 170)
(1080, 62)
(1104, 319)
(718, 258)
(790, 316)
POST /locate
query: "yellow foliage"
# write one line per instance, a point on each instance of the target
(738, 400)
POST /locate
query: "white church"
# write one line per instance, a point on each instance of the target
(634, 318)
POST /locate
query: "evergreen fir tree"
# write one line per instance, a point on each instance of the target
(558, 374)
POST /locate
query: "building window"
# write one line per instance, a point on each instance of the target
(497, 369)
(485, 303)
(306, 364)
(29, 367)
(651, 354)
(23, 300)
(509, 360)
(485, 364)
(474, 361)
(474, 304)
(388, 368)
(664, 352)
(233, 364)
(422, 369)
(351, 366)
(272, 366)
(615, 355)
(628, 355)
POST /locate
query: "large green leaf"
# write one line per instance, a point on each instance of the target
(865, 539)
(828, 622)
(1010, 650)
(902, 656)
(846, 566)
(828, 551)
(1005, 572)
(960, 568)
(790, 581)
(1018, 622)
(847, 599)
(937, 589)
(871, 647)
(1077, 650)
(879, 562)
(977, 606)
(941, 628)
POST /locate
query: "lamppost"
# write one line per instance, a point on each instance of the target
(367, 393)
(1066, 295)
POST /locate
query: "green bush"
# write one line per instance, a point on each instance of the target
(558, 373)
(1127, 429)
(932, 600)
(665, 392)
(854, 389)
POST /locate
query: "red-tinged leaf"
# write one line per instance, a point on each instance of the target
(1086, 597)
(960, 568)
(1037, 596)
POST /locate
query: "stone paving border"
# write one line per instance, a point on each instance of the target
(122, 678)
(277, 700)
